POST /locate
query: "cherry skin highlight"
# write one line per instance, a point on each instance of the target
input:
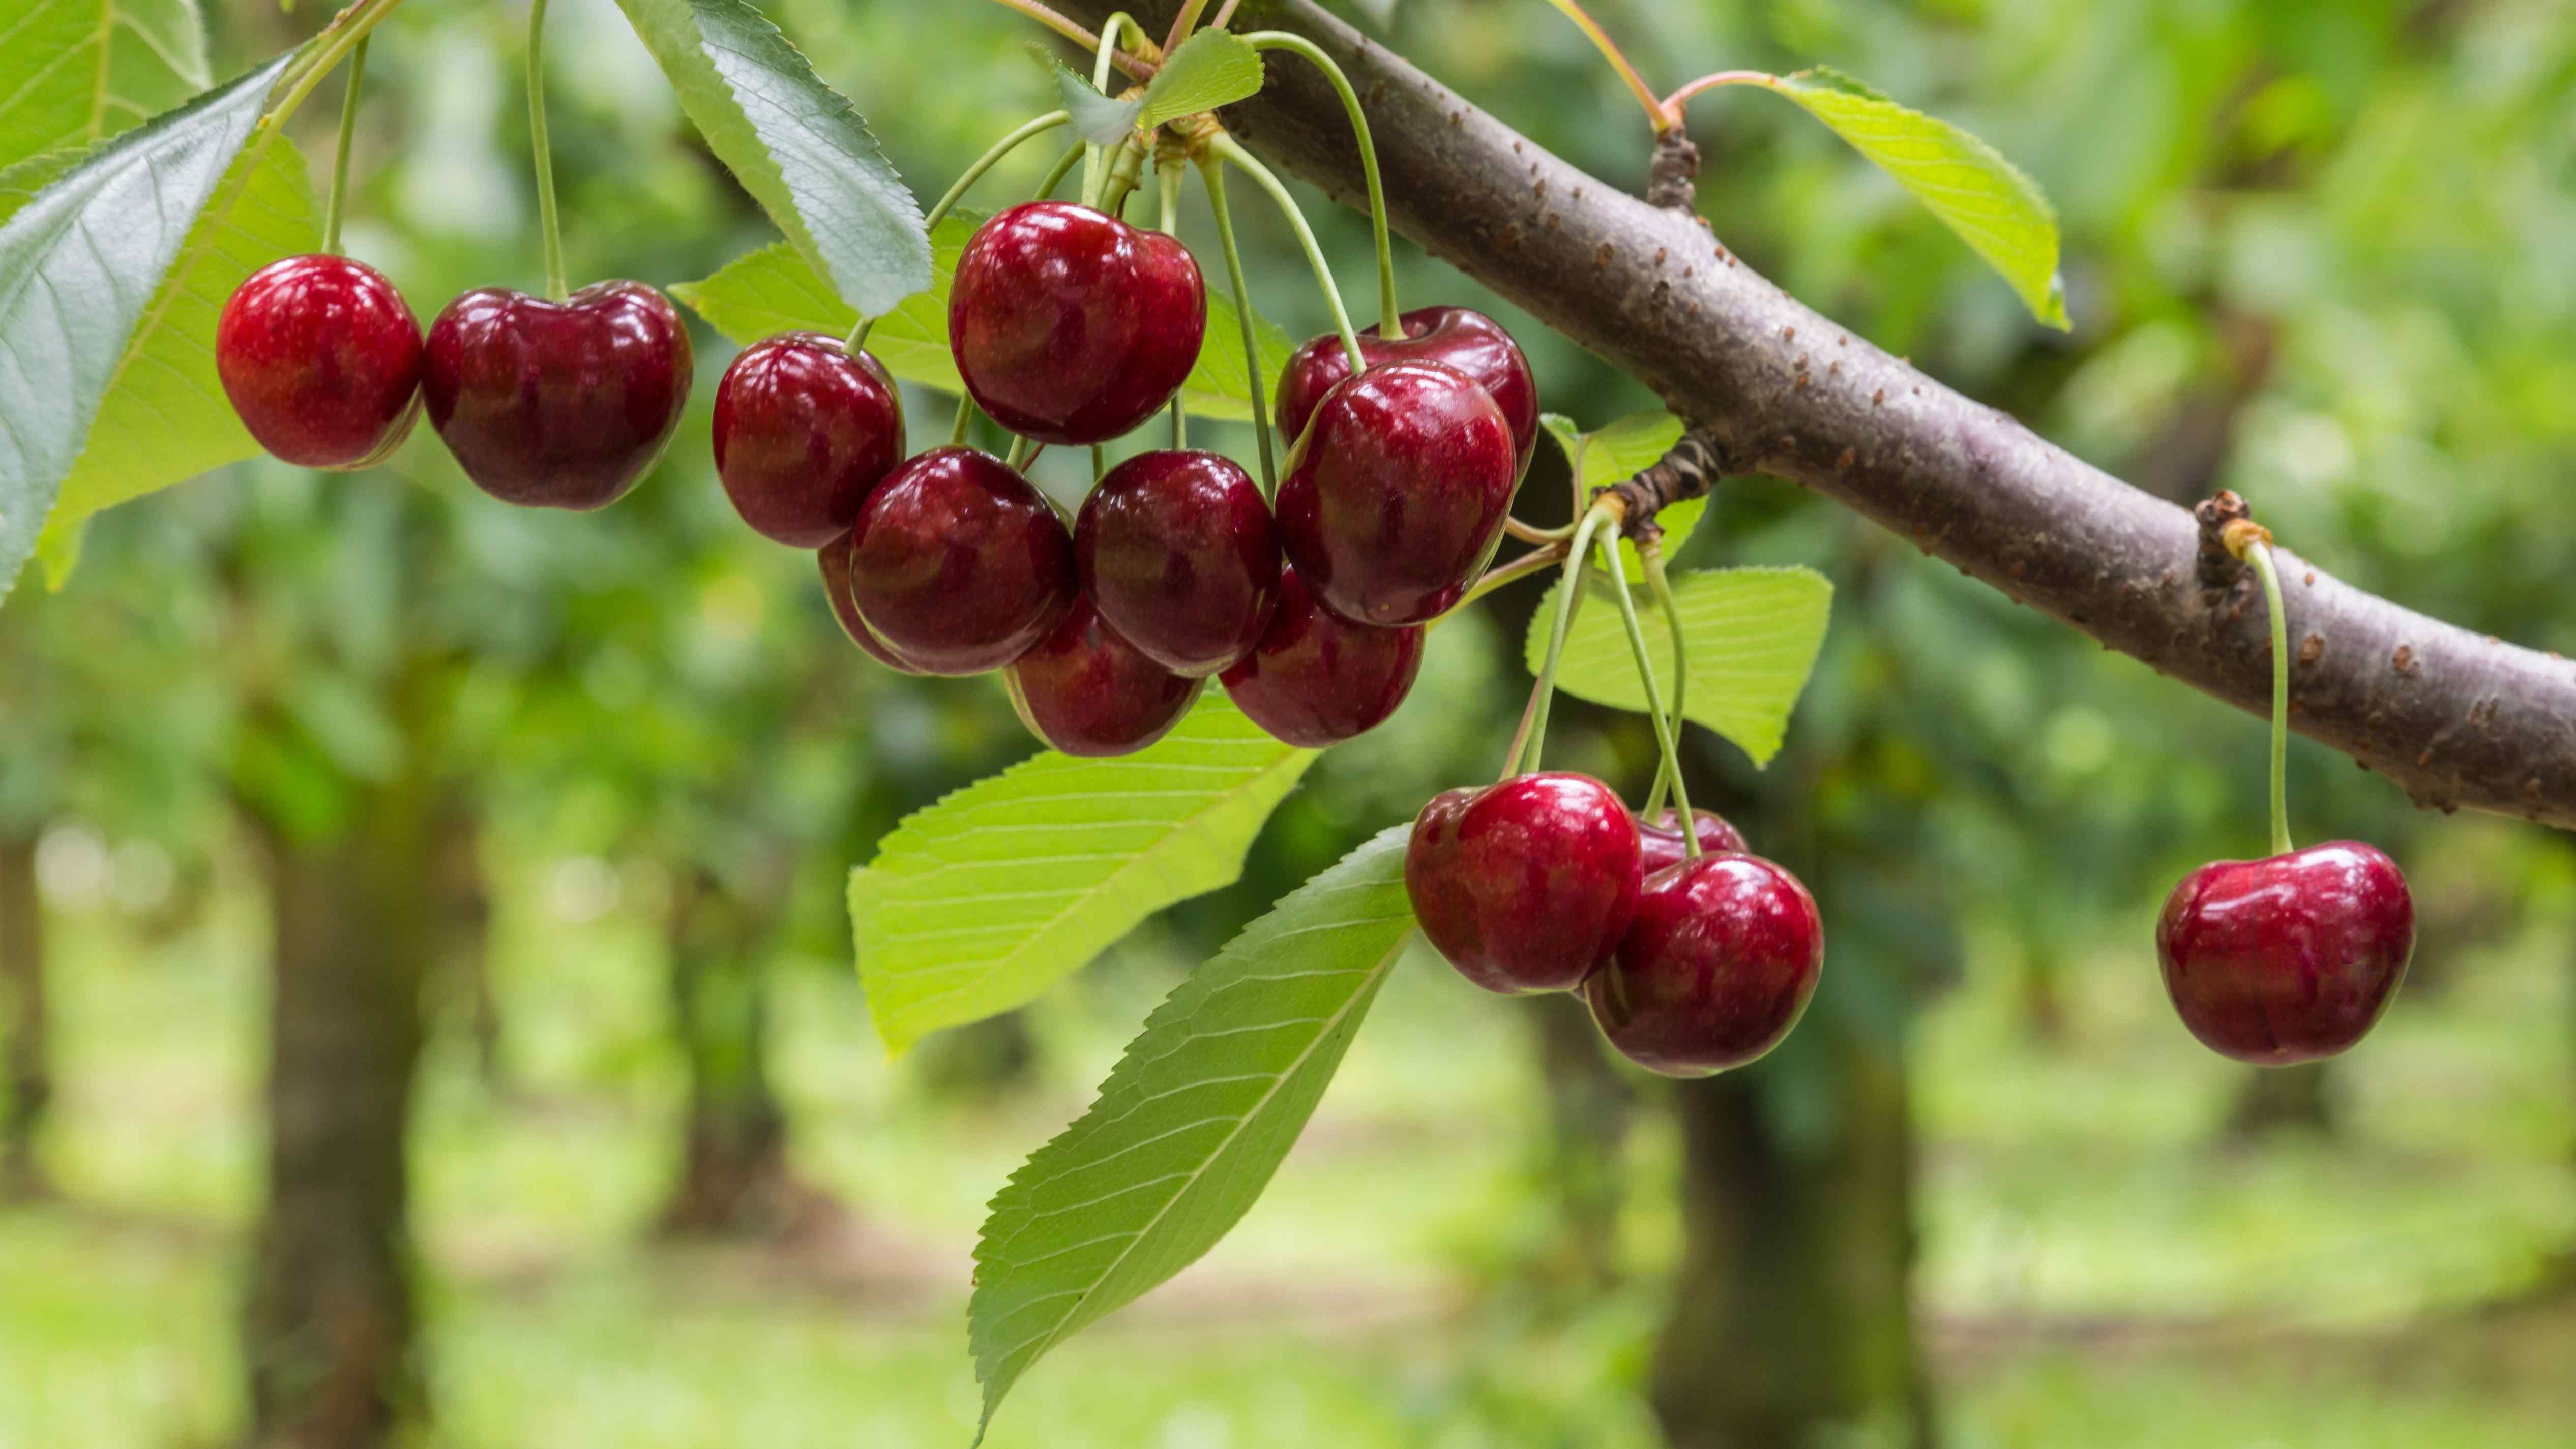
(803, 430)
(1660, 840)
(2291, 958)
(834, 558)
(1070, 326)
(1396, 496)
(959, 564)
(1465, 339)
(321, 359)
(557, 404)
(1087, 691)
(1526, 885)
(1715, 970)
(1317, 679)
(1177, 550)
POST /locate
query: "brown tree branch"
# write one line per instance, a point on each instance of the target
(2457, 719)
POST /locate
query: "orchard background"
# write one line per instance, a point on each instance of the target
(666, 1187)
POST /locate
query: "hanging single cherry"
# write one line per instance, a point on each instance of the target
(960, 564)
(1317, 679)
(557, 404)
(1661, 843)
(1526, 885)
(834, 558)
(1396, 495)
(1087, 691)
(1069, 326)
(803, 429)
(1461, 337)
(2291, 958)
(1176, 548)
(321, 359)
(1715, 969)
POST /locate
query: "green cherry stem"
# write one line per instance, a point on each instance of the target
(965, 417)
(1650, 552)
(1544, 557)
(1390, 318)
(1182, 24)
(1092, 179)
(975, 170)
(2259, 554)
(1062, 168)
(1531, 739)
(1655, 111)
(1214, 175)
(548, 224)
(1664, 738)
(1024, 451)
(1246, 162)
(338, 204)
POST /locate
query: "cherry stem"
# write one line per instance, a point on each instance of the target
(975, 170)
(1532, 533)
(1674, 103)
(1534, 561)
(338, 202)
(1224, 13)
(328, 47)
(1390, 318)
(1214, 175)
(1062, 25)
(1656, 112)
(1099, 462)
(1181, 24)
(1024, 451)
(1664, 738)
(1126, 169)
(1650, 552)
(1092, 179)
(1531, 740)
(965, 417)
(1063, 168)
(1232, 150)
(548, 224)
(2259, 554)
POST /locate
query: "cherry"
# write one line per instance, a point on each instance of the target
(2290, 958)
(1178, 551)
(321, 359)
(1662, 845)
(1716, 968)
(803, 429)
(1526, 885)
(1317, 679)
(1396, 494)
(959, 564)
(1087, 691)
(834, 557)
(557, 404)
(1069, 325)
(1465, 339)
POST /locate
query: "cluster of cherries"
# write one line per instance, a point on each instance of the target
(1691, 962)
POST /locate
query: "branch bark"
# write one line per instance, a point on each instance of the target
(2458, 720)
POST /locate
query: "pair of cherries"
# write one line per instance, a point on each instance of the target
(1547, 882)
(546, 404)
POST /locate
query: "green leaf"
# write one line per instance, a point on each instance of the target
(1753, 634)
(797, 145)
(773, 290)
(1619, 452)
(74, 72)
(1212, 68)
(1968, 184)
(88, 269)
(1193, 1120)
(1096, 118)
(986, 899)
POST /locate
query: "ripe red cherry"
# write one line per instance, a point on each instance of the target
(834, 557)
(1087, 691)
(1526, 885)
(1714, 971)
(1317, 679)
(1661, 841)
(1397, 494)
(2290, 958)
(960, 564)
(321, 359)
(1465, 339)
(1069, 325)
(1177, 550)
(557, 404)
(803, 430)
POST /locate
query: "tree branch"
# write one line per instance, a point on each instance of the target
(2458, 720)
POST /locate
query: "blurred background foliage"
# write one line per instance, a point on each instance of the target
(667, 1189)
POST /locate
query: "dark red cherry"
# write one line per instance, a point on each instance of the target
(1715, 969)
(1177, 550)
(959, 564)
(1467, 340)
(1316, 679)
(557, 404)
(1069, 325)
(1087, 691)
(2290, 958)
(1397, 494)
(1526, 885)
(803, 429)
(1661, 842)
(321, 359)
(834, 557)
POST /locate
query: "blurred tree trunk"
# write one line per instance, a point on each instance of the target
(1792, 1320)
(330, 1320)
(1590, 1110)
(2273, 1099)
(734, 1179)
(464, 907)
(26, 1085)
